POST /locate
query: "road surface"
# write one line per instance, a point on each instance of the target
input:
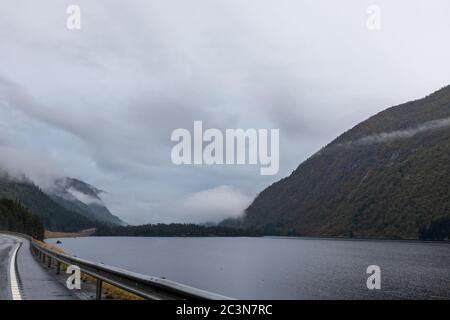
(6, 249)
(33, 281)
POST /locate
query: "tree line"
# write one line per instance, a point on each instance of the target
(16, 218)
(438, 230)
(175, 230)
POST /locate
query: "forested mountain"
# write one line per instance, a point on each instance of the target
(54, 216)
(14, 217)
(69, 205)
(388, 177)
(82, 198)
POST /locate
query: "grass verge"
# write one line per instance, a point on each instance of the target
(109, 291)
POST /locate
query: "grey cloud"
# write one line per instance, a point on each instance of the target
(25, 164)
(101, 102)
(400, 134)
(214, 205)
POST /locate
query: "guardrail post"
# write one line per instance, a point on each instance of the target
(99, 289)
(49, 261)
(58, 267)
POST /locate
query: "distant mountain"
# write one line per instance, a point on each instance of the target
(387, 177)
(83, 198)
(53, 215)
(69, 205)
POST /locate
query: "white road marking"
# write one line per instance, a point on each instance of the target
(13, 277)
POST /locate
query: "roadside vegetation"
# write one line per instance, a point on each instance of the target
(56, 234)
(109, 291)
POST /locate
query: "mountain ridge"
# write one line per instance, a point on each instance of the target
(84, 199)
(391, 188)
(56, 212)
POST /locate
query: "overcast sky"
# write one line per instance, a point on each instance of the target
(100, 103)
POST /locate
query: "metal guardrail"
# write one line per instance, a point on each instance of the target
(143, 286)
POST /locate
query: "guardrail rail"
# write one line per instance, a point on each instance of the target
(146, 287)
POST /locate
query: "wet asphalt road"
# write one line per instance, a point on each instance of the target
(35, 282)
(7, 245)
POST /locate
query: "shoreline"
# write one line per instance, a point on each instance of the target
(77, 235)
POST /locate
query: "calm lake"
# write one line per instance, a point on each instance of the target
(279, 268)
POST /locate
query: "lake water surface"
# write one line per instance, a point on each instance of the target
(279, 268)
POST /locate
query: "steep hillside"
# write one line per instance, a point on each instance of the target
(389, 176)
(53, 215)
(83, 198)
